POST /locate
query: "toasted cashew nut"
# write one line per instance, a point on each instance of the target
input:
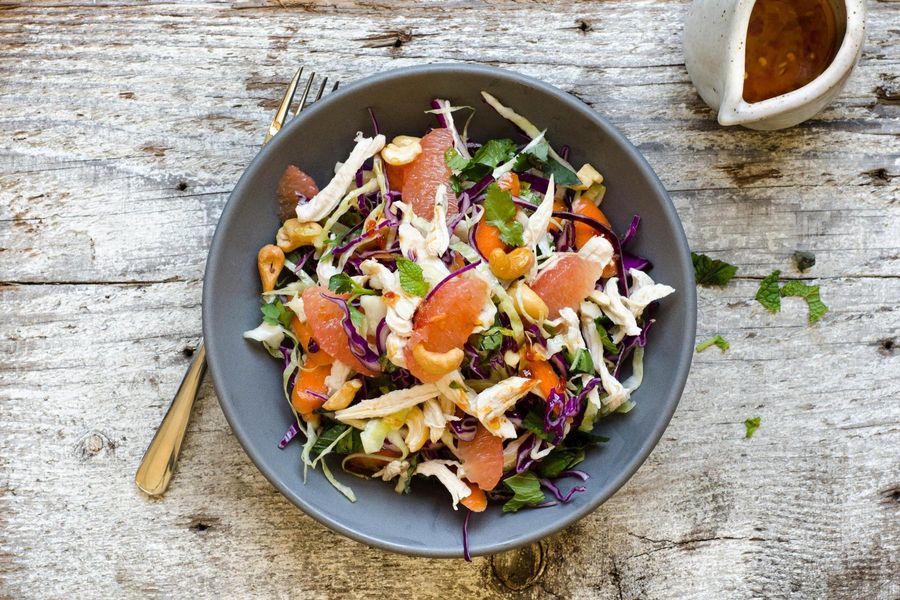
(512, 265)
(269, 261)
(344, 396)
(402, 150)
(528, 303)
(437, 363)
(294, 234)
(417, 432)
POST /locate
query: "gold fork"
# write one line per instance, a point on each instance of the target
(156, 468)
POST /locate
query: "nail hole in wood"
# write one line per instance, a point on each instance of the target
(519, 569)
(188, 351)
(887, 346)
(181, 186)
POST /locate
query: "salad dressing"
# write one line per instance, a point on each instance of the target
(789, 43)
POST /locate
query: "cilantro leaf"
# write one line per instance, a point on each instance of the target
(581, 362)
(411, 278)
(752, 425)
(356, 317)
(608, 344)
(455, 160)
(500, 211)
(491, 154)
(494, 152)
(341, 283)
(344, 284)
(349, 444)
(810, 293)
(498, 205)
(709, 271)
(526, 491)
(275, 313)
(718, 340)
(534, 422)
(510, 233)
(489, 341)
(559, 460)
(562, 176)
(768, 293)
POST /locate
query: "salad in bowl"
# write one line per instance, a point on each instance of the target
(454, 309)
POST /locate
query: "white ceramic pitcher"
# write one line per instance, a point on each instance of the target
(715, 36)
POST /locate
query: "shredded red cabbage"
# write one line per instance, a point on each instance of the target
(476, 190)
(358, 344)
(639, 263)
(455, 273)
(436, 104)
(290, 434)
(465, 428)
(466, 554)
(611, 237)
(549, 485)
(632, 230)
(381, 335)
(523, 454)
(578, 474)
(537, 183)
(338, 250)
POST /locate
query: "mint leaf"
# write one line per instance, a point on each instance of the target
(708, 271)
(275, 313)
(718, 340)
(498, 205)
(562, 176)
(454, 160)
(752, 425)
(411, 279)
(526, 491)
(608, 344)
(810, 293)
(768, 293)
(559, 460)
(510, 233)
(581, 363)
(534, 422)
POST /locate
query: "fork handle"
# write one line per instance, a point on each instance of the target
(158, 464)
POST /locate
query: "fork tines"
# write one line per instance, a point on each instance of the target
(281, 115)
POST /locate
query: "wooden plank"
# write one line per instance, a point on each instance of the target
(123, 126)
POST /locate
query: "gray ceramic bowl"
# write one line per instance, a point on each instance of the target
(248, 380)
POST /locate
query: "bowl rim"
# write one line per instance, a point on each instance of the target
(669, 402)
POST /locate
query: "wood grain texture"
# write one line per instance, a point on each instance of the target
(123, 126)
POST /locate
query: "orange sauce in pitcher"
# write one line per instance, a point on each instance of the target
(789, 43)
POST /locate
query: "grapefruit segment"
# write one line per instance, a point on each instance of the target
(584, 232)
(567, 283)
(446, 320)
(292, 182)
(482, 458)
(422, 176)
(324, 319)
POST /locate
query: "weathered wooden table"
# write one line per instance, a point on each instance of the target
(123, 127)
